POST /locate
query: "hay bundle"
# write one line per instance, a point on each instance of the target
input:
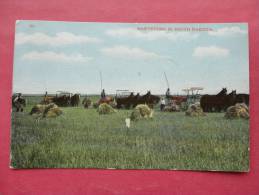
(141, 111)
(50, 110)
(38, 109)
(194, 110)
(105, 108)
(240, 110)
(87, 102)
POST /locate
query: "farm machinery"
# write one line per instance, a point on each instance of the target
(193, 94)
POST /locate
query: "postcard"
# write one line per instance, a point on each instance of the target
(130, 96)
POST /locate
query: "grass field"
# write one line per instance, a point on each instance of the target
(83, 138)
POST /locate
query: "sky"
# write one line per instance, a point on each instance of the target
(71, 56)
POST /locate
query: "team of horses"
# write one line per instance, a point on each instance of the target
(209, 103)
(133, 100)
(222, 100)
(63, 101)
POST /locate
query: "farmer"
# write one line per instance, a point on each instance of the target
(18, 102)
(167, 93)
(162, 104)
(103, 94)
(17, 97)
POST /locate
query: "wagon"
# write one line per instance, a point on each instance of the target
(193, 94)
(122, 93)
(61, 93)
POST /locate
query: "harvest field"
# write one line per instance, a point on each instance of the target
(81, 138)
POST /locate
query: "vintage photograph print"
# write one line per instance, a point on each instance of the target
(130, 96)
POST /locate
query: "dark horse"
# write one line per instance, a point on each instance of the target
(230, 99)
(149, 99)
(63, 100)
(132, 101)
(75, 100)
(125, 101)
(18, 102)
(210, 103)
(242, 98)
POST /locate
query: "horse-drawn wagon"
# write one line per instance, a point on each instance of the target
(62, 98)
(193, 95)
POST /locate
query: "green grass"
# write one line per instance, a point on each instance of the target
(83, 138)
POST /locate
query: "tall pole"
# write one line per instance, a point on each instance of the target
(166, 80)
(101, 79)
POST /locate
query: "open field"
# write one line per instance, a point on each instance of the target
(83, 138)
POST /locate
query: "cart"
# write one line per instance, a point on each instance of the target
(193, 94)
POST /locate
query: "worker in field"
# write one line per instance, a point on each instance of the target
(167, 93)
(103, 95)
(162, 104)
(17, 98)
(18, 102)
(168, 96)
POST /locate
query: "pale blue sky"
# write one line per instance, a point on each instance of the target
(68, 56)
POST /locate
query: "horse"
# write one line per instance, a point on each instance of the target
(222, 92)
(124, 101)
(135, 100)
(62, 100)
(216, 102)
(18, 102)
(153, 99)
(230, 100)
(148, 99)
(75, 99)
(242, 98)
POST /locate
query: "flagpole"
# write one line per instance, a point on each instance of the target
(101, 79)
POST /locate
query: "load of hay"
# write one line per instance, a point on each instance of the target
(52, 110)
(240, 110)
(194, 110)
(49, 110)
(141, 111)
(87, 102)
(37, 109)
(105, 108)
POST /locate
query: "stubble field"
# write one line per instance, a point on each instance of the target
(81, 138)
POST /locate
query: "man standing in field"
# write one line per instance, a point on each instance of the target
(18, 102)
(162, 104)
(103, 95)
(168, 95)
